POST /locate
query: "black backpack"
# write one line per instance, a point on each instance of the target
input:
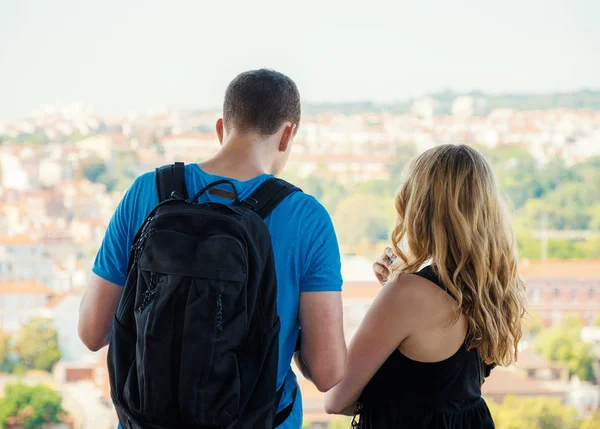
(195, 338)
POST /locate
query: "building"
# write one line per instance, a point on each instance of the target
(100, 146)
(21, 301)
(12, 172)
(591, 335)
(507, 381)
(64, 311)
(22, 258)
(557, 287)
(535, 367)
(346, 167)
(191, 147)
(466, 106)
(425, 107)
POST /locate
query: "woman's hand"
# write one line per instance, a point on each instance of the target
(383, 266)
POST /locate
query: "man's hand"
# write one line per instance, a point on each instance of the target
(96, 312)
(383, 265)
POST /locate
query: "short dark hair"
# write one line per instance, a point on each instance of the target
(261, 101)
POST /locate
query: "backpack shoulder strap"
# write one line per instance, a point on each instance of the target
(169, 179)
(268, 195)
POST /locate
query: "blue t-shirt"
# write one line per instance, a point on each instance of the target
(307, 257)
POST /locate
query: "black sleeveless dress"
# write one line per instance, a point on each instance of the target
(418, 395)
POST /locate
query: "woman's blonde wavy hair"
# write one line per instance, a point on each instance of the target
(450, 213)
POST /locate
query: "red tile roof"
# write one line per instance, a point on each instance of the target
(561, 268)
(505, 381)
(529, 358)
(17, 240)
(24, 287)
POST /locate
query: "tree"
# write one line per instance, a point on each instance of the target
(590, 249)
(597, 320)
(94, 170)
(555, 172)
(363, 217)
(516, 172)
(593, 422)
(37, 345)
(533, 413)
(562, 343)
(32, 406)
(4, 349)
(340, 423)
(533, 323)
(404, 154)
(594, 214)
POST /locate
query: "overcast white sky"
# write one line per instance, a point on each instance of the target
(141, 55)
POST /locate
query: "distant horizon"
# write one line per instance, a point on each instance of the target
(333, 103)
(141, 55)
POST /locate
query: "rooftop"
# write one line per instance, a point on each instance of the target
(17, 240)
(561, 268)
(24, 287)
(504, 381)
(530, 359)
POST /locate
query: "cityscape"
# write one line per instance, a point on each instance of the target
(64, 169)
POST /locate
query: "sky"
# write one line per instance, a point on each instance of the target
(134, 55)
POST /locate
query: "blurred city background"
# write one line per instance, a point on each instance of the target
(93, 95)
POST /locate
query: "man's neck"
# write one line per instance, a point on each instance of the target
(238, 159)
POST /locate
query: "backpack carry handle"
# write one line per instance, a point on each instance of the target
(212, 185)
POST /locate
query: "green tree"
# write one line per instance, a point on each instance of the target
(533, 323)
(516, 172)
(36, 345)
(361, 218)
(340, 423)
(594, 214)
(597, 320)
(32, 406)
(533, 413)
(562, 343)
(76, 136)
(4, 350)
(33, 139)
(552, 174)
(593, 422)
(404, 154)
(94, 170)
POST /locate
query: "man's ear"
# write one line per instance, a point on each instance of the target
(220, 130)
(286, 137)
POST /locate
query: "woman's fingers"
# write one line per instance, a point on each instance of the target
(381, 272)
(385, 261)
(389, 253)
(383, 266)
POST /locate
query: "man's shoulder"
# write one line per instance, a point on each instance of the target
(141, 195)
(145, 184)
(304, 205)
(145, 181)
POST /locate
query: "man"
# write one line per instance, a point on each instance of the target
(261, 114)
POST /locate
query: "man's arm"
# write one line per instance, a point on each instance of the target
(96, 312)
(101, 298)
(322, 355)
(323, 348)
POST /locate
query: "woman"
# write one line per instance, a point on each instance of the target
(450, 308)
